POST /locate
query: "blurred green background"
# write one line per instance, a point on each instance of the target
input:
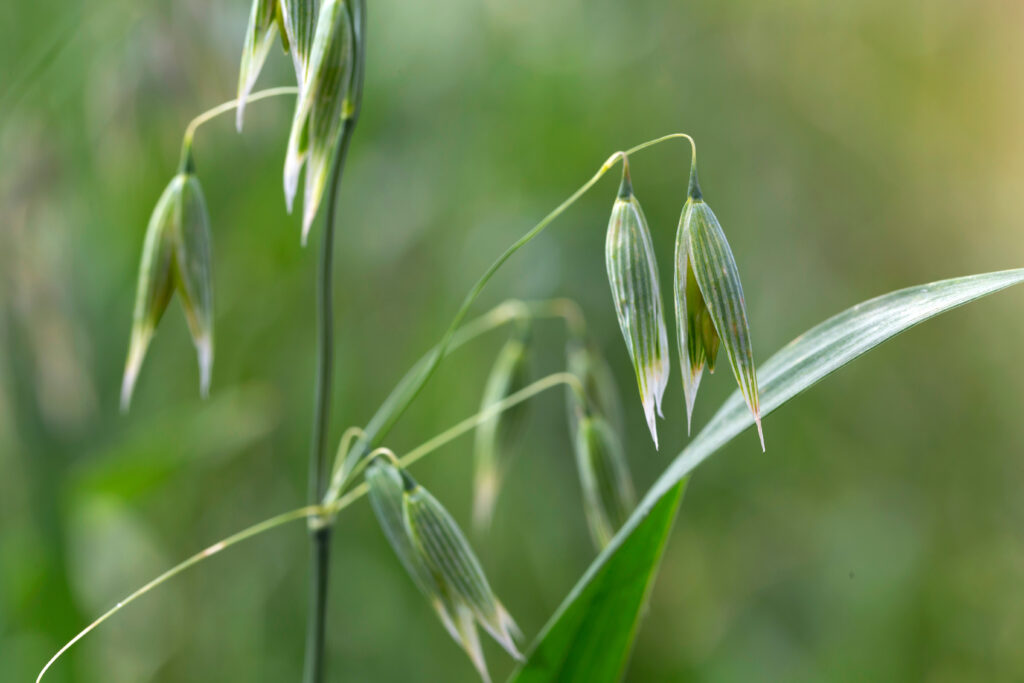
(849, 148)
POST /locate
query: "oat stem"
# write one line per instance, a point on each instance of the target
(452, 338)
(316, 628)
(314, 512)
(397, 403)
(503, 313)
(190, 130)
(457, 430)
(254, 530)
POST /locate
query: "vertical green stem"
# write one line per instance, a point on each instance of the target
(318, 475)
(321, 537)
(316, 628)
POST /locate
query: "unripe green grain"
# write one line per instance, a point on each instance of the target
(636, 292)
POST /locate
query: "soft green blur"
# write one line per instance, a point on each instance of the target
(848, 148)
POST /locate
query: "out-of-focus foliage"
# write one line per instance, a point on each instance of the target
(852, 148)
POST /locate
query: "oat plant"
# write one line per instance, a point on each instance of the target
(590, 635)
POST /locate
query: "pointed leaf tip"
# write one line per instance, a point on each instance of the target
(599, 601)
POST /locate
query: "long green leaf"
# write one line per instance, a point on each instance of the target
(591, 641)
(571, 642)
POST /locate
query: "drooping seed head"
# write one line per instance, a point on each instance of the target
(175, 256)
(633, 274)
(453, 564)
(386, 490)
(495, 438)
(710, 306)
(155, 284)
(321, 109)
(608, 493)
(697, 340)
(259, 38)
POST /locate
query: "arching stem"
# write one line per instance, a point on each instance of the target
(214, 112)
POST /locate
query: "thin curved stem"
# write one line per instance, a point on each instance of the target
(381, 423)
(315, 512)
(457, 430)
(503, 313)
(408, 389)
(343, 448)
(665, 138)
(524, 394)
(190, 130)
(247, 533)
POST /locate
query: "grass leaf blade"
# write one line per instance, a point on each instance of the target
(590, 637)
(568, 642)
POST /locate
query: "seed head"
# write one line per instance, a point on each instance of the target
(437, 557)
(175, 256)
(320, 112)
(453, 564)
(710, 306)
(495, 439)
(259, 37)
(633, 274)
(385, 490)
(608, 493)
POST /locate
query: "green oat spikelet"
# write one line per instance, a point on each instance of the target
(437, 557)
(386, 492)
(454, 566)
(633, 275)
(495, 438)
(175, 256)
(710, 306)
(608, 492)
(298, 18)
(321, 109)
(259, 38)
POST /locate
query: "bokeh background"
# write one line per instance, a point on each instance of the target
(849, 148)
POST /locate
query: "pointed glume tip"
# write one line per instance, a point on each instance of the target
(760, 432)
(204, 351)
(128, 387)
